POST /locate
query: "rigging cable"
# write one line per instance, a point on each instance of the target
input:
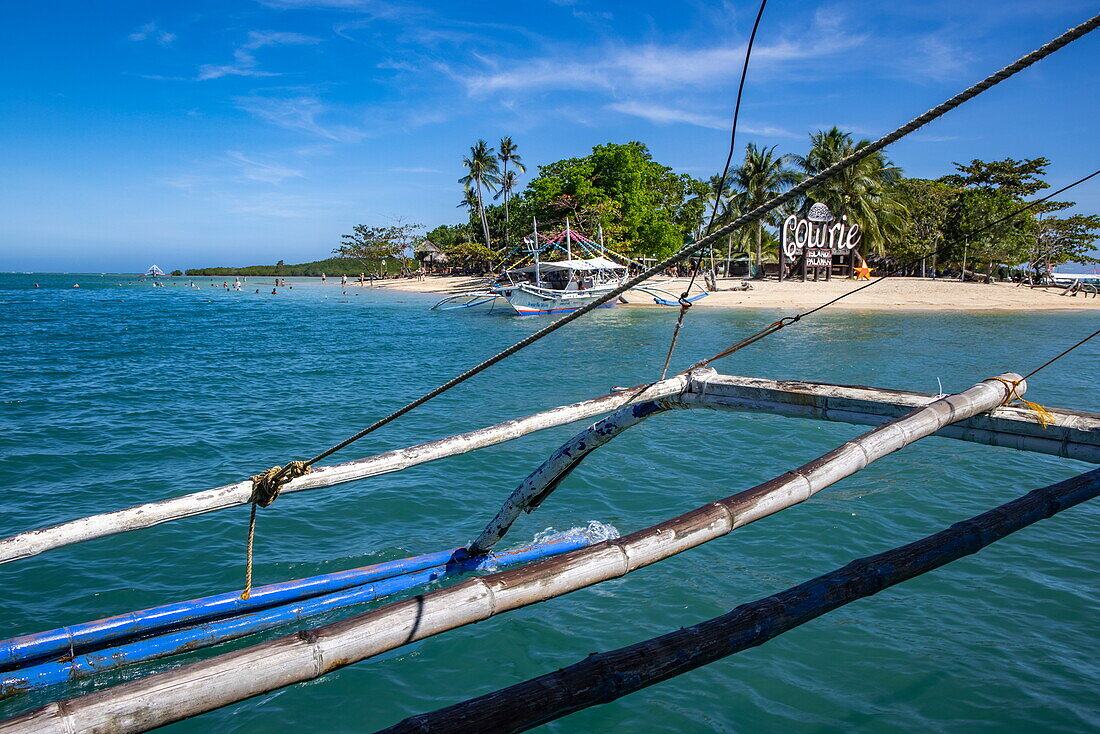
(685, 304)
(916, 123)
(736, 112)
(262, 487)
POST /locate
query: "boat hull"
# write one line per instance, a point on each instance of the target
(528, 303)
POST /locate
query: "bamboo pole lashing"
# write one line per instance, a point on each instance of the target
(202, 686)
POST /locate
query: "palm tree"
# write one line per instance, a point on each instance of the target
(508, 155)
(865, 192)
(483, 173)
(762, 176)
(469, 199)
(718, 198)
(508, 181)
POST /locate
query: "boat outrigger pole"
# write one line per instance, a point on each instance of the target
(535, 249)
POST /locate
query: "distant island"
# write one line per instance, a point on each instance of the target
(332, 266)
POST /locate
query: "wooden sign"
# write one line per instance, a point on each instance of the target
(815, 239)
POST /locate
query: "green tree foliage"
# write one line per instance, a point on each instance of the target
(863, 192)
(1010, 176)
(472, 255)
(987, 192)
(483, 173)
(448, 235)
(927, 203)
(763, 175)
(371, 245)
(644, 208)
(1059, 240)
(973, 210)
(508, 179)
(334, 266)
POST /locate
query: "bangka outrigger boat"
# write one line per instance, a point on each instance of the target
(557, 286)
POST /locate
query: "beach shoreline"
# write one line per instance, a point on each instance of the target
(894, 294)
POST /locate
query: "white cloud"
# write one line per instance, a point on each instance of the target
(188, 182)
(932, 57)
(150, 32)
(244, 60)
(667, 116)
(655, 67)
(260, 171)
(301, 114)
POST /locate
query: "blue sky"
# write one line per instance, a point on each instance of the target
(232, 133)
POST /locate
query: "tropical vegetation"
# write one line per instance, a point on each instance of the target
(644, 209)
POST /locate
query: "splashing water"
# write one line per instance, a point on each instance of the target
(594, 532)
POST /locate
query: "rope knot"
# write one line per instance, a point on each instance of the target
(267, 485)
(1042, 415)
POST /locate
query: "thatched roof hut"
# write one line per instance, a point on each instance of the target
(429, 254)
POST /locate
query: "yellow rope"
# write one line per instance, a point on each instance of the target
(265, 489)
(1042, 415)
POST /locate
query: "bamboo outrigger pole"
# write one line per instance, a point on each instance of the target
(1073, 435)
(33, 542)
(1070, 434)
(605, 677)
(209, 684)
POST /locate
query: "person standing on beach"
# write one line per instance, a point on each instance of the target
(344, 281)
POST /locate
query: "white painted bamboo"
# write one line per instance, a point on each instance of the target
(202, 686)
(1073, 434)
(33, 542)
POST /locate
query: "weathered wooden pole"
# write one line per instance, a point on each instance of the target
(33, 542)
(1070, 434)
(234, 676)
(545, 479)
(605, 677)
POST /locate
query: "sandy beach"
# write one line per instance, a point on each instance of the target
(894, 294)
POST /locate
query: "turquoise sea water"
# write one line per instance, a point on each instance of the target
(115, 394)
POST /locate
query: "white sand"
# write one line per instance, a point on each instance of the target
(914, 294)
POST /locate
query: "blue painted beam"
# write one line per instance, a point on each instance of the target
(69, 640)
(210, 633)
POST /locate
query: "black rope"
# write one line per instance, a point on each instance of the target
(736, 112)
(916, 123)
(1055, 359)
(685, 304)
